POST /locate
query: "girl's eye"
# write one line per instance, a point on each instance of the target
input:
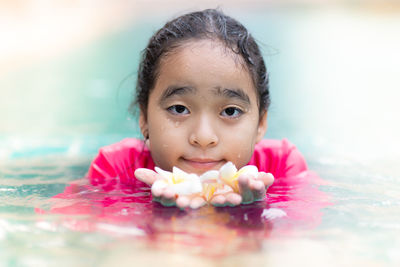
(178, 110)
(232, 112)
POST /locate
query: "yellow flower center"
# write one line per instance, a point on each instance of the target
(177, 180)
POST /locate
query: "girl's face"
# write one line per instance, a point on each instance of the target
(203, 110)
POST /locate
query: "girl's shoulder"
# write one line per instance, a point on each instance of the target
(279, 157)
(116, 163)
(275, 146)
(125, 145)
(131, 152)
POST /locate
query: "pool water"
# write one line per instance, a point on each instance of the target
(351, 212)
(334, 94)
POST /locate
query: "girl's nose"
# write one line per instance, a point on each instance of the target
(203, 134)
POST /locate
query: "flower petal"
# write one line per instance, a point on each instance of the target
(159, 184)
(223, 190)
(187, 188)
(227, 171)
(209, 189)
(209, 176)
(165, 174)
(195, 182)
(249, 169)
(193, 177)
(197, 187)
(181, 188)
(178, 175)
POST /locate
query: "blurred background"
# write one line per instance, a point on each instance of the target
(68, 72)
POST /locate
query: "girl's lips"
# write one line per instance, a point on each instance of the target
(203, 164)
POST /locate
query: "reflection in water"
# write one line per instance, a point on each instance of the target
(292, 203)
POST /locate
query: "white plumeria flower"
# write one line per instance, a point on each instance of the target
(181, 182)
(225, 180)
(212, 184)
(229, 174)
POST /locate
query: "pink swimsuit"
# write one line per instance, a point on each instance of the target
(113, 187)
(114, 166)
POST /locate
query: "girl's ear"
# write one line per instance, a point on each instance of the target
(143, 125)
(262, 127)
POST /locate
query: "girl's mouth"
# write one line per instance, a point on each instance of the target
(202, 164)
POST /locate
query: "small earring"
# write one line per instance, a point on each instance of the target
(146, 138)
(145, 134)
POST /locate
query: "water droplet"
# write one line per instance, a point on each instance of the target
(177, 123)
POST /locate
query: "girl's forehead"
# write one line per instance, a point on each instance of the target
(206, 50)
(204, 64)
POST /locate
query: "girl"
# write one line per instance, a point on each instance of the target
(203, 95)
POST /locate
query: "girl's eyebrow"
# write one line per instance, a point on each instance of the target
(232, 93)
(218, 91)
(176, 90)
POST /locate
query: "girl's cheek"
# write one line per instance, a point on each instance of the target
(171, 134)
(177, 124)
(165, 147)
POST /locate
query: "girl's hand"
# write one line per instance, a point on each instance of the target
(250, 189)
(167, 196)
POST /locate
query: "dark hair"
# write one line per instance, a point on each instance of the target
(206, 24)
